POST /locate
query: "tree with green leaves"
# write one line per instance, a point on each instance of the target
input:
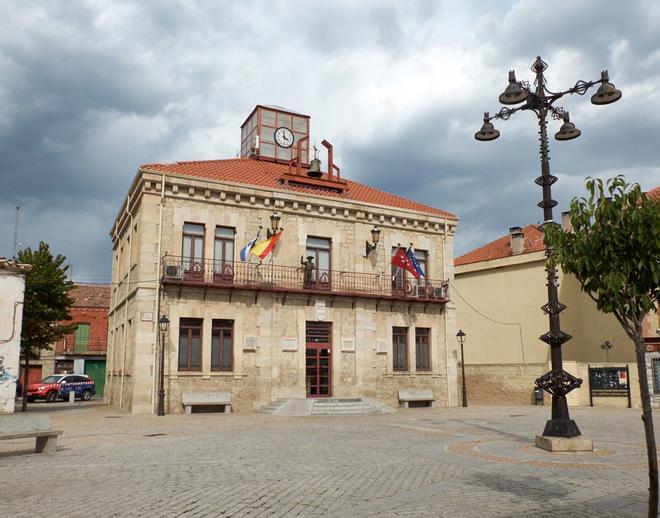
(613, 250)
(46, 305)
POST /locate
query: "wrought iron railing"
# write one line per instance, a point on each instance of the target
(231, 274)
(71, 345)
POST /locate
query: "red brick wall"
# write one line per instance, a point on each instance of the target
(97, 318)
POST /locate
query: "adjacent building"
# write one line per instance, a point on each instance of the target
(12, 291)
(84, 350)
(499, 290)
(323, 315)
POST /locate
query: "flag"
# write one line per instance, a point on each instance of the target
(263, 248)
(411, 255)
(401, 260)
(245, 251)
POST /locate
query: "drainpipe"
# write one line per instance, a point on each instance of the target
(110, 368)
(128, 289)
(158, 289)
(444, 272)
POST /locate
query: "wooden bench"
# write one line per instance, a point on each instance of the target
(206, 400)
(414, 396)
(26, 426)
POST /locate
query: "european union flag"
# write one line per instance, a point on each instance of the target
(411, 255)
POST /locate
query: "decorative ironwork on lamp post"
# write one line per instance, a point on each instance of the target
(163, 325)
(540, 100)
(460, 336)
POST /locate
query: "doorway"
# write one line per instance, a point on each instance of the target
(318, 359)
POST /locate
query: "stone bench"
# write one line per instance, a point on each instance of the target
(414, 396)
(26, 426)
(206, 399)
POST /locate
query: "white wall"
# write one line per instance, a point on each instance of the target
(12, 288)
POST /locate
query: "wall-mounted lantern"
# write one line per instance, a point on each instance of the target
(274, 225)
(375, 237)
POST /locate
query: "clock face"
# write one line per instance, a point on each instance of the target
(284, 137)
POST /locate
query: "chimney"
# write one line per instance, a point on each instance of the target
(566, 221)
(517, 240)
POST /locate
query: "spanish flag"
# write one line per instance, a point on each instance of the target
(263, 248)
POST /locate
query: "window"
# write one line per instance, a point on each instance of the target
(193, 246)
(318, 248)
(400, 276)
(422, 349)
(81, 338)
(224, 250)
(400, 348)
(222, 345)
(190, 344)
(656, 375)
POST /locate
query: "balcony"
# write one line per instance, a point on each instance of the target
(290, 279)
(70, 346)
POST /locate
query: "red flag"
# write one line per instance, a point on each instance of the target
(401, 260)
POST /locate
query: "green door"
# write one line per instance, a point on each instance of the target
(81, 338)
(95, 369)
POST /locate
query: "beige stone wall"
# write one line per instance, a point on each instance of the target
(513, 384)
(269, 372)
(502, 384)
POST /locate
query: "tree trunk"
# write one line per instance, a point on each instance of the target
(647, 417)
(26, 371)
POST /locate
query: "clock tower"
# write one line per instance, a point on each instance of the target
(272, 133)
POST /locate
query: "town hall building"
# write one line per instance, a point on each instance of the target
(319, 312)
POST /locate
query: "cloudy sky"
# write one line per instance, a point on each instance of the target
(91, 89)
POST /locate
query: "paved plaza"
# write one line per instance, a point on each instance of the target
(457, 462)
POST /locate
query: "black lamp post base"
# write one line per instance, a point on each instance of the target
(561, 428)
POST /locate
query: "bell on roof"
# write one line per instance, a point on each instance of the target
(314, 170)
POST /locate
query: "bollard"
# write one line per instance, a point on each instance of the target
(72, 396)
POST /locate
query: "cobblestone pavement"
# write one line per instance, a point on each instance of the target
(474, 462)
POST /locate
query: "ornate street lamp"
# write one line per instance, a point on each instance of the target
(540, 101)
(460, 336)
(163, 325)
(274, 225)
(375, 237)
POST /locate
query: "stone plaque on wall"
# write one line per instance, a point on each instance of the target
(250, 343)
(289, 344)
(381, 347)
(319, 309)
(348, 345)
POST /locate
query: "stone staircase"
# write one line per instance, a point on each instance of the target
(325, 407)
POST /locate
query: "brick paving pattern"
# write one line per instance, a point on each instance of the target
(455, 462)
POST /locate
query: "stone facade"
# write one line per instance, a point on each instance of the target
(12, 290)
(269, 326)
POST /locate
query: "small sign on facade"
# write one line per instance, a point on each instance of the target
(289, 344)
(319, 308)
(147, 316)
(348, 345)
(250, 343)
(381, 347)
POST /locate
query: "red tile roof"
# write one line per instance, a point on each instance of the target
(262, 173)
(91, 295)
(654, 194)
(502, 247)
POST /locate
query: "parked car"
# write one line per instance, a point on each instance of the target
(58, 386)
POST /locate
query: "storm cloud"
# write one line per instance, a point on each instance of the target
(90, 90)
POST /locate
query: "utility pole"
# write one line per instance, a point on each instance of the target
(16, 232)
